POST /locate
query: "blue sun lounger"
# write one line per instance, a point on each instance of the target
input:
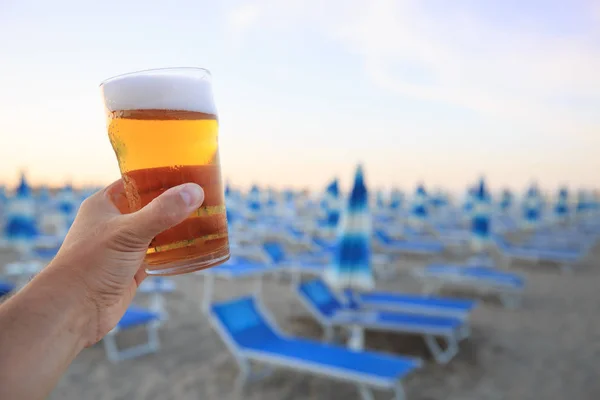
(134, 317)
(326, 308)
(411, 246)
(565, 258)
(235, 268)
(417, 303)
(508, 286)
(298, 266)
(252, 337)
(6, 287)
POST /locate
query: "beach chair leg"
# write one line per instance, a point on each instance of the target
(399, 392)
(153, 339)
(157, 305)
(440, 355)
(243, 376)
(110, 347)
(151, 346)
(365, 393)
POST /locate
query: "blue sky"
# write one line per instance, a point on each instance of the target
(416, 90)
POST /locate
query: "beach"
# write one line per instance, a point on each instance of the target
(547, 348)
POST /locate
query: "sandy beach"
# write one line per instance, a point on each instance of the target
(546, 349)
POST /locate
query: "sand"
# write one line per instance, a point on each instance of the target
(549, 348)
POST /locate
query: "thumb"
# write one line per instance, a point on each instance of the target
(165, 211)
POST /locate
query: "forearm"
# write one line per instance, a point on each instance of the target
(41, 332)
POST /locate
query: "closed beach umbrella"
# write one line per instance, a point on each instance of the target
(331, 204)
(481, 217)
(506, 201)
(21, 225)
(561, 209)
(419, 209)
(396, 199)
(351, 267)
(253, 200)
(532, 207)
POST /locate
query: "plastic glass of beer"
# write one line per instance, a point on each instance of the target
(163, 127)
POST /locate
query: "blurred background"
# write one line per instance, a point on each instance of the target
(467, 131)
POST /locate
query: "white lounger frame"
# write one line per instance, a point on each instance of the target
(244, 358)
(441, 356)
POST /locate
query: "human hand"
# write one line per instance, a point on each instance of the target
(101, 257)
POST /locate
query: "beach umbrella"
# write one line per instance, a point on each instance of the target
(469, 202)
(253, 200)
(331, 203)
(21, 225)
(43, 195)
(532, 207)
(350, 268)
(481, 217)
(419, 208)
(561, 208)
(66, 201)
(506, 201)
(439, 199)
(396, 199)
(271, 198)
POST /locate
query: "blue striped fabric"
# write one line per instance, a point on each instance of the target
(481, 216)
(351, 266)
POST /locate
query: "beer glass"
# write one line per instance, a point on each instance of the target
(163, 127)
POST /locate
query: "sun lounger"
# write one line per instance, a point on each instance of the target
(236, 268)
(417, 303)
(134, 317)
(409, 246)
(252, 337)
(508, 286)
(325, 306)
(298, 266)
(566, 259)
(6, 287)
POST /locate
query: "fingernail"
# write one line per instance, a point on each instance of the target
(191, 194)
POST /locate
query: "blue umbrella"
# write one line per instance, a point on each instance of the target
(532, 207)
(21, 224)
(351, 265)
(481, 216)
(561, 209)
(506, 200)
(469, 202)
(396, 199)
(43, 195)
(254, 201)
(331, 204)
(419, 209)
(582, 203)
(66, 200)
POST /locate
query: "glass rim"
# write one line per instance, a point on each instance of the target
(150, 70)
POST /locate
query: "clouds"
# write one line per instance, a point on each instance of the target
(457, 56)
(243, 17)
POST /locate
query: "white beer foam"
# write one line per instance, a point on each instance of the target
(168, 89)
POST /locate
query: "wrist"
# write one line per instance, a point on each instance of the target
(61, 294)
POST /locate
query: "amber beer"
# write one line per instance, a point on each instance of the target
(163, 127)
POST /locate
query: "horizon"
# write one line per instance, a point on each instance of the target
(415, 91)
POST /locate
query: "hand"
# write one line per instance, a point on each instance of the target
(102, 255)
